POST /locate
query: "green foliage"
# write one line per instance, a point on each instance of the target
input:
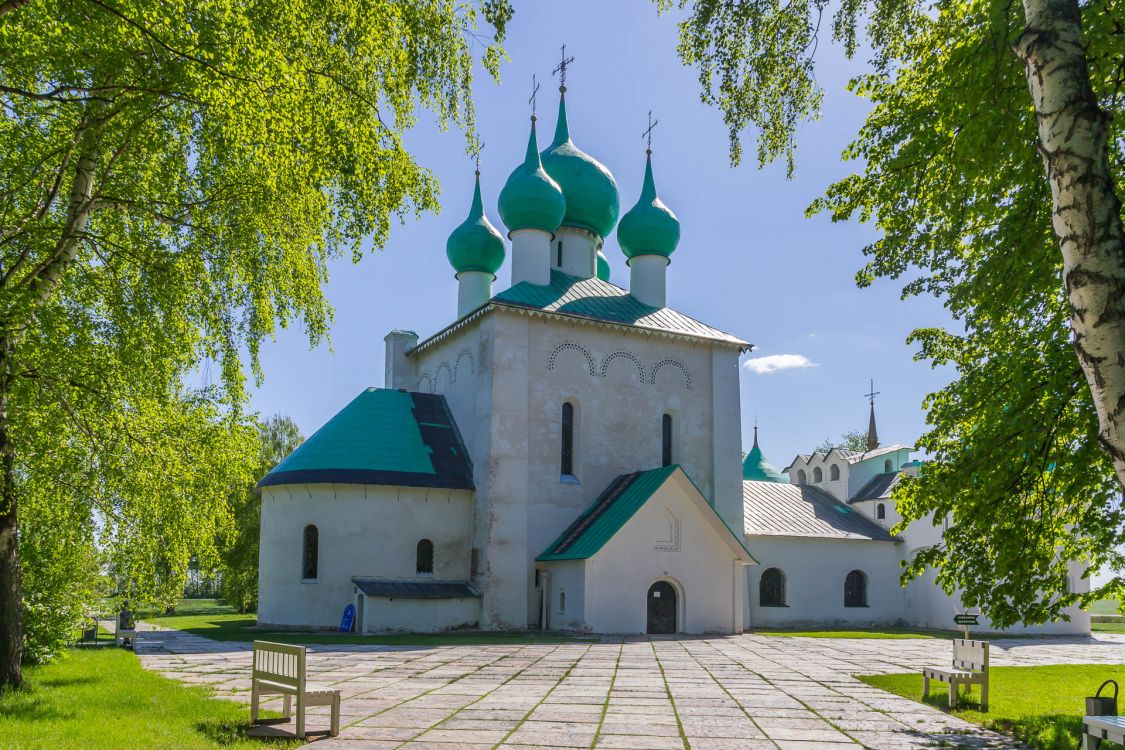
(103, 699)
(174, 180)
(950, 176)
(1041, 706)
(852, 440)
(278, 436)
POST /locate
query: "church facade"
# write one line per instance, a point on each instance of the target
(566, 455)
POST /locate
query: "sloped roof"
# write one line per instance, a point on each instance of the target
(772, 509)
(851, 457)
(385, 437)
(595, 300)
(616, 505)
(415, 589)
(880, 486)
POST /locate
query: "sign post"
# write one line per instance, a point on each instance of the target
(348, 618)
(965, 619)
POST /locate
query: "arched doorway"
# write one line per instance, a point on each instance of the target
(662, 608)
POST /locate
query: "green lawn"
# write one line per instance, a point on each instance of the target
(103, 698)
(1104, 607)
(1041, 706)
(212, 619)
(885, 633)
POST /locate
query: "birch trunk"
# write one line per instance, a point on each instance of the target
(1073, 141)
(42, 282)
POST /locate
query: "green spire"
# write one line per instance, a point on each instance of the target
(650, 227)
(755, 468)
(603, 266)
(592, 201)
(530, 198)
(475, 245)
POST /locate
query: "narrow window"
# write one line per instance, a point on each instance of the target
(666, 441)
(817, 475)
(880, 511)
(558, 254)
(474, 563)
(424, 558)
(567, 457)
(562, 602)
(834, 472)
(855, 589)
(771, 589)
(887, 466)
(802, 477)
(310, 553)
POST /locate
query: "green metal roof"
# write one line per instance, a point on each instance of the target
(612, 510)
(606, 515)
(756, 468)
(382, 437)
(599, 300)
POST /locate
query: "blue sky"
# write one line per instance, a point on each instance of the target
(749, 261)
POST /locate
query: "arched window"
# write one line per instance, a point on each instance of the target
(567, 457)
(424, 558)
(771, 588)
(834, 472)
(880, 511)
(802, 477)
(666, 440)
(310, 553)
(817, 475)
(888, 466)
(855, 589)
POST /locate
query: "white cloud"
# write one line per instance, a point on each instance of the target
(776, 363)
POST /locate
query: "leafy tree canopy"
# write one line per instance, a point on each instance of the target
(852, 440)
(174, 179)
(948, 170)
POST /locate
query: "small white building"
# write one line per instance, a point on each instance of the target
(566, 454)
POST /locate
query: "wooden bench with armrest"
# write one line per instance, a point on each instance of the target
(279, 669)
(970, 667)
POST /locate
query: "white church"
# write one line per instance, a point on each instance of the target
(566, 455)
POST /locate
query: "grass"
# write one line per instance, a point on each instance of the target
(877, 633)
(1041, 706)
(212, 619)
(103, 699)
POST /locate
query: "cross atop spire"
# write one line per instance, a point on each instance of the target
(560, 71)
(872, 433)
(476, 157)
(534, 94)
(647, 135)
(755, 430)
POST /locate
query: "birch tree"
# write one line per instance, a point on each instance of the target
(991, 165)
(174, 179)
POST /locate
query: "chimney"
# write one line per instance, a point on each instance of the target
(400, 372)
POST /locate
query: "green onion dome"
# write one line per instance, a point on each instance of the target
(650, 227)
(756, 468)
(603, 266)
(530, 198)
(589, 189)
(475, 245)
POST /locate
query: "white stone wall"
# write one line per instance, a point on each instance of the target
(669, 538)
(383, 615)
(364, 530)
(815, 569)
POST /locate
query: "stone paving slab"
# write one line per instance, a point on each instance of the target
(635, 693)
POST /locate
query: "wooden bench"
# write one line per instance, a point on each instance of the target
(970, 667)
(1098, 728)
(279, 668)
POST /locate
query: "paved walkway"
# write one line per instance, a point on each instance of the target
(753, 692)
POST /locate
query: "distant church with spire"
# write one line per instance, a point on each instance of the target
(566, 455)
